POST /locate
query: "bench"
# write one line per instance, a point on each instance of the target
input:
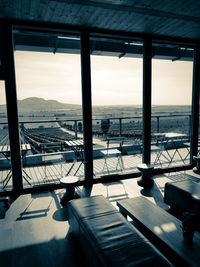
(51, 146)
(107, 238)
(163, 230)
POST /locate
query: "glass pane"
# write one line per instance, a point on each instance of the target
(49, 106)
(116, 68)
(5, 163)
(172, 71)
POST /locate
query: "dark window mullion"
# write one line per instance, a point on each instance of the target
(87, 104)
(147, 55)
(195, 103)
(12, 113)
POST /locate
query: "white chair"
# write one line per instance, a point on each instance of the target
(51, 159)
(115, 151)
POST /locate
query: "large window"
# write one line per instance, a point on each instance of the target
(49, 106)
(116, 70)
(172, 70)
(5, 161)
(48, 80)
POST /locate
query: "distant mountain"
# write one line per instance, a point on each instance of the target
(40, 104)
(36, 104)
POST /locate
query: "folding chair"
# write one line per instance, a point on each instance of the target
(113, 152)
(50, 159)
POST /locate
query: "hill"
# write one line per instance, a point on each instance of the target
(32, 104)
(37, 105)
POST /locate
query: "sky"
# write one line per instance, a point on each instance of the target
(114, 81)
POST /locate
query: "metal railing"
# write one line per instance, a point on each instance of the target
(130, 128)
(119, 126)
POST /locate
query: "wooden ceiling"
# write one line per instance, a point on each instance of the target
(180, 18)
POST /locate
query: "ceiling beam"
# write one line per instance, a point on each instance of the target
(53, 44)
(130, 7)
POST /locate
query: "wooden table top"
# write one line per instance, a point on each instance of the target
(74, 143)
(6, 148)
(69, 180)
(110, 152)
(163, 226)
(169, 135)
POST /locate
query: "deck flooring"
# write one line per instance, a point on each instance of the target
(50, 174)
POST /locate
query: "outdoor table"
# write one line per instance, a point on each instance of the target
(77, 147)
(163, 140)
(5, 151)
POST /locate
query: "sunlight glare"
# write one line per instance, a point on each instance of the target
(157, 230)
(168, 227)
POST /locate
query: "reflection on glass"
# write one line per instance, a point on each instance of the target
(116, 71)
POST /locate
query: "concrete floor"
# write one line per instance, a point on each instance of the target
(35, 230)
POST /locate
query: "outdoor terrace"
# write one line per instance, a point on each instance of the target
(52, 173)
(51, 158)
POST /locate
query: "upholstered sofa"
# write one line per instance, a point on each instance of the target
(107, 238)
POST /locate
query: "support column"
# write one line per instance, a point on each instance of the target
(11, 100)
(195, 103)
(87, 104)
(147, 100)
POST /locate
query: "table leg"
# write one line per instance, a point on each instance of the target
(123, 213)
(27, 176)
(105, 164)
(7, 179)
(68, 195)
(160, 154)
(120, 162)
(78, 167)
(176, 152)
(70, 168)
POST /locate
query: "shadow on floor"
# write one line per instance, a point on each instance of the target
(60, 215)
(155, 192)
(113, 195)
(62, 252)
(85, 191)
(3, 210)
